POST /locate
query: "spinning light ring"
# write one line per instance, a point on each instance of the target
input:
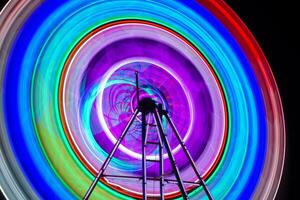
(38, 38)
(103, 38)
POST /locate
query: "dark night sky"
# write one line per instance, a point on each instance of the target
(273, 23)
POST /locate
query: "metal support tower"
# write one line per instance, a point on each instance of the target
(148, 106)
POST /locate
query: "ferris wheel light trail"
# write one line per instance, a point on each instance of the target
(67, 84)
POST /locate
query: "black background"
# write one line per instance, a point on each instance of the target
(274, 25)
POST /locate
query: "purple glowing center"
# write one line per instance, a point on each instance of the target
(119, 101)
(158, 82)
(101, 77)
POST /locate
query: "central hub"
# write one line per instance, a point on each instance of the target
(147, 105)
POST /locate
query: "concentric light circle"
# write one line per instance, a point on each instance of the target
(68, 85)
(161, 57)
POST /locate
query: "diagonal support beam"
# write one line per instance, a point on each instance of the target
(188, 155)
(108, 159)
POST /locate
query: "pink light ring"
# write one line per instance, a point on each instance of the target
(107, 36)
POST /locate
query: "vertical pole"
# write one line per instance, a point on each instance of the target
(188, 155)
(137, 87)
(144, 167)
(168, 148)
(161, 168)
(108, 159)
